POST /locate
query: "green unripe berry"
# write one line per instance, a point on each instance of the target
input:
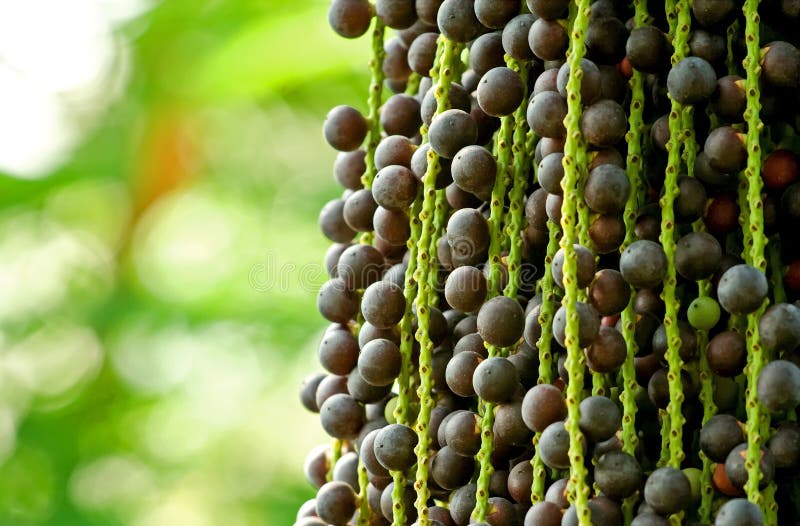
(703, 313)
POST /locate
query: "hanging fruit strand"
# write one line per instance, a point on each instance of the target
(511, 143)
(426, 265)
(676, 455)
(574, 164)
(754, 248)
(610, 174)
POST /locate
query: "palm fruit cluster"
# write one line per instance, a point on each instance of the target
(565, 267)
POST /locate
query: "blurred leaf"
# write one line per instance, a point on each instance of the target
(275, 52)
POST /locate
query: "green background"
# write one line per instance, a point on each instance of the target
(159, 282)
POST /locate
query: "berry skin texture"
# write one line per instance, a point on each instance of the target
(781, 168)
(691, 81)
(452, 130)
(667, 491)
(742, 289)
(350, 18)
(500, 91)
(345, 128)
(739, 512)
(643, 264)
(778, 386)
(336, 503)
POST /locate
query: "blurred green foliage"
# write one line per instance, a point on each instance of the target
(159, 306)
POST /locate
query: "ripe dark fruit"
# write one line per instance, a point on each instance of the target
(543, 514)
(543, 405)
(336, 503)
(500, 91)
(394, 187)
(495, 380)
(457, 21)
(465, 289)
(401, 115)
(607, 189)
(496, 13)
(342, 416)
(691, 81)
(394, 447)
(588, 325)
(333, 224)
(554, 446)
(486, 53)
(608, 292)
(419, 165)
(397, 14)
(739, 512)
(649, 519)
(349, 167)
(727, 353)
(785, 445)
(459, 100)
(607, 232)
(359, 210)
(780, 65)
(667, 491)
(459, 372)
(698, 255)
(501, 321)
(712, 12)
(350, 18)
(690, 204)
(586, 267)
(449, 470)
(383, 304)
(719, 436)
(546, 113)
(725, 149)
(421, 53)
(604, 123)
(711, 47)
(737, 473)
(618, 475)
(463, 433)
(591, 82)
(730, 98)
(548, 39)
(722, 215)
(781, 169)
(548, 9)
(515, 37)
(379, 362)
(452, 130)
(779, 386)
(336, 302)
(395, 63)
(345, 128)
(338, 352)
(360, 266)
(608, 352)
(550, 173)
(643, 264)
(468, 236)
(308, 391)
(648, 49)
(742, 289)
(600, 418)
(408, 497)
(499, 279)
(779, 328)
